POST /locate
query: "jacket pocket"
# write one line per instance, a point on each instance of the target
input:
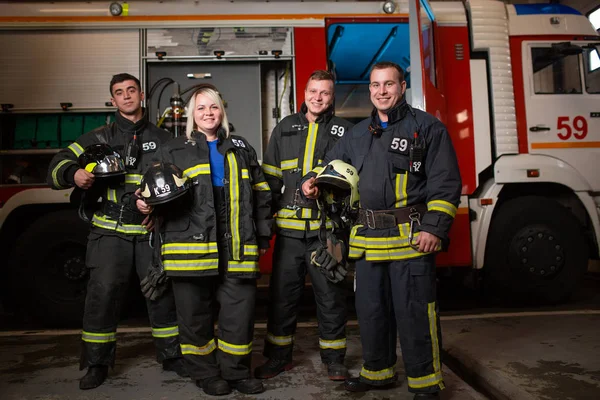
(400, 163)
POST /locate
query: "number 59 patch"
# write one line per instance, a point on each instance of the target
(399, 145)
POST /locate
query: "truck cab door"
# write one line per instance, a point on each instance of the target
(422, 54)
(562, 101)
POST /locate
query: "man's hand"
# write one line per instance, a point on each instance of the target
(309, 189)
(141, 204)
(148, 222)
(427, 242)
(84, 179)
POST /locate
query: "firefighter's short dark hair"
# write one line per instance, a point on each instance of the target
(320, 75)
(389, 64)
(118, 78)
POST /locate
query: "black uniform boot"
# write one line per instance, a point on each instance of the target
(215, 386)
(337, 371)
(271, 368)
(427, 396)
(356, 385)
(176, 365)
(95, 376)
(247, 386)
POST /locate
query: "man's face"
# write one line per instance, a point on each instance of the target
(385, 88)
(127, 97)
(318, 96)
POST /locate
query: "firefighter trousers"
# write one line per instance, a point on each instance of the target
(110, 260)
(291, 263)
(399, 295)
(205, 356)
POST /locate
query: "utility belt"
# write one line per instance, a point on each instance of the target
(384, 219)
(292, 199)
(122, 214)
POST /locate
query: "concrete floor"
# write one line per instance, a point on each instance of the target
(45, 367)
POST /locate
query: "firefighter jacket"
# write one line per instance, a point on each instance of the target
(116, 191)
(296, 147)
(381, 156)
(190, 234)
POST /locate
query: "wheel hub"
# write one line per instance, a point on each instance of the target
(537, 251)
(74, 268)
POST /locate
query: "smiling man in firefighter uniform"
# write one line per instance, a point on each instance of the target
(409, 189)
(298, 143)
(118, 240)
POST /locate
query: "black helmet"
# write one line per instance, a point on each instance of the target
(102, 161)
(162, 183)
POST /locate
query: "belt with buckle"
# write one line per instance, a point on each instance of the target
(122, 214)
(384, 219)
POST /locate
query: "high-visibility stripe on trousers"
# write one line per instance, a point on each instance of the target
(399, 299)
(206, 355)
(110, 260)
(291, 263)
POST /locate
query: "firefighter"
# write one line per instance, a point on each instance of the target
(212, 246)
(409, 188)
(118, 239)
(297, 144)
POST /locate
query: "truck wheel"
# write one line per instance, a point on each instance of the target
(536, 251)
(48, 269)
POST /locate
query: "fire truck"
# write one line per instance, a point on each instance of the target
(515, 85)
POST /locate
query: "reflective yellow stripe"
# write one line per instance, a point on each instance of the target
(133, 178)
(309, 149)
(106, 223)
(280, 340)
(165, 332)
(332, 344)
(245, 174)
(305, 213)
(55, 172)
(380, 375)
(200, 169)
(436, 377)
(400, 190)
(111, 195)
(250, 249)
(300, 224)
(317, 170)
(189, 248)
(91, 337)
(235, 349)
(393, 254)
(191, 265)
(234, 205)
(243, 266)
(425, 381)
(198, 351)
(76, 149)
(261, 187)
(272, 170)
(289, 164)
(442, 206)
(392, 242)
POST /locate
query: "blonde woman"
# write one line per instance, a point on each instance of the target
(211, 246)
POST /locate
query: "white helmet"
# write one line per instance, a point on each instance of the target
(338, 185)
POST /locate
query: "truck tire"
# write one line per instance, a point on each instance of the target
(536, 252)
(48, 269)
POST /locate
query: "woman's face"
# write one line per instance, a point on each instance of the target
(207, 115)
